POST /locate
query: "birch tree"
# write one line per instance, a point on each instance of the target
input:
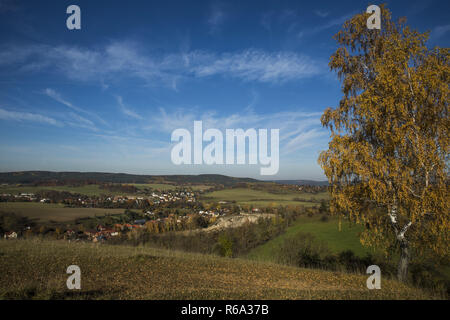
(387, 162)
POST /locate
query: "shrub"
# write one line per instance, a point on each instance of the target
(303, 250)
(427, 275)
(224, 246)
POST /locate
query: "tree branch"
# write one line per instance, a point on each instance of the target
(401, 234)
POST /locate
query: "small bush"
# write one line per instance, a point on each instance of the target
(426, 275)
(224, 246)
(303, 250)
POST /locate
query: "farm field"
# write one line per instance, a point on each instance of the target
(35, 269)
(163, 186)
(159, 186)
(263, 198)
(92, 189)
(89, 190)
(54, 212)
(328, 232)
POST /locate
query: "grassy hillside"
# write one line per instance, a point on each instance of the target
(263, 198)
(35, 269)
(55, 212)
(328, 232)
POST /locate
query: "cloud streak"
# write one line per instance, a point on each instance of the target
(216, 18)
(339, 21)
(256, 65)
(88, 124)
(439, 32)
(122, 60)
(57, 97)
(298, 129)
(126, 111)
(27, 116)
(322, 14)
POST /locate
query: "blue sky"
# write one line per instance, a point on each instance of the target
(107, 97)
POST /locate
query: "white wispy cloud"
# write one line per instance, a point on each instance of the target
(80, 119)
(255, 65)
(322, 14)
(56, 96)
(127, 111)
(216, 18)
(123, 60)
(298, 129)
(339, 21)
(266, 20)
(287, 20)
(167, 121)
(304, 139)
(439, 32)
(27, 116)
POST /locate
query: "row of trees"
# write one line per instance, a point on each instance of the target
(231, 242)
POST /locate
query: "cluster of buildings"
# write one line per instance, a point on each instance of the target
(149, 219)
(100, 234)
(155, 197)
(20, 197)
(173, 196)
(10, 235)
(209, 213)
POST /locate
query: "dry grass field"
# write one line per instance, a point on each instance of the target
(35, 269)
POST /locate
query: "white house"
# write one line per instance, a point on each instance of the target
(10, 235)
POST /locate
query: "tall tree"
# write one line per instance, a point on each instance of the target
(387, 161)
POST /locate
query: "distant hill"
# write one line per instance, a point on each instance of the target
(30, 177)
(303, 182)
(33, 177)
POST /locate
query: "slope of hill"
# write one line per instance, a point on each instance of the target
(28, 177)
(37, 269)
(325, 231)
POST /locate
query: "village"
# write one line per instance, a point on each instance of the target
(79, 200)
(155, 212)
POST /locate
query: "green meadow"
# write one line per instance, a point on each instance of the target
(328, 232)
(168, 187)
(264, 198)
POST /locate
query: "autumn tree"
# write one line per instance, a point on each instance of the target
(389, 150)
